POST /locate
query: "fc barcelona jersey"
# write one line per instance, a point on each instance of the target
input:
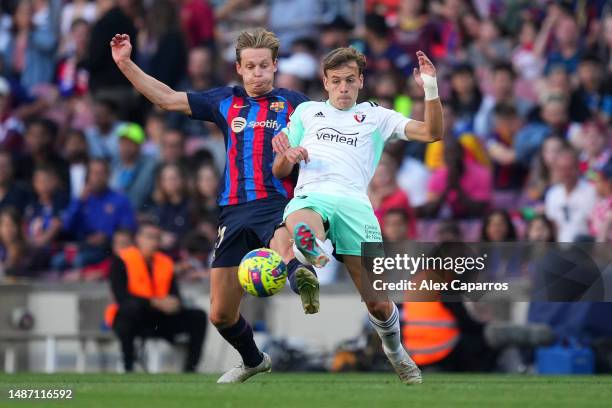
(248, 125)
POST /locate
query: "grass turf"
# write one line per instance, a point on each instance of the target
(312, 391)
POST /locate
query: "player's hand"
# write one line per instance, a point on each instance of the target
(425, 67)
(280, 143)
(297, 154)
(121, 48)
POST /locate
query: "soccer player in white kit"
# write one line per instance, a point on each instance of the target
(338, 144)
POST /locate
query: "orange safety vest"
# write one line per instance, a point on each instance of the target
(429, 331)
(139, 280)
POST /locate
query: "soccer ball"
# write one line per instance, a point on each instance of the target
(262, 272)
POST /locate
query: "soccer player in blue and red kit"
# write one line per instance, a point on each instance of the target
(252, 200)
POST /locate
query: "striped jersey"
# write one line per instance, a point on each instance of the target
(248, 125)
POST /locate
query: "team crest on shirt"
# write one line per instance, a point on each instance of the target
(277, 106)
(359, 117)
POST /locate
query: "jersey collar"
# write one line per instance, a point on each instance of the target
(328, 103)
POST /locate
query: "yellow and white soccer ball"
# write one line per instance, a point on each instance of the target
(262, 272)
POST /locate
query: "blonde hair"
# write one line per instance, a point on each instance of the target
(260, 38)
(343, 56)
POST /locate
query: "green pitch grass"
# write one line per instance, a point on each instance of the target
(313, 391)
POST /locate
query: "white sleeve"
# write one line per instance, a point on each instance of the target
(391, 124)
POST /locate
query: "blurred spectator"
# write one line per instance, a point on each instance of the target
(382, 53)
(170, 207)
(497, 226)
(595, 146)
(11, 127)
(29, 55)
(198, 22)
(502, 92)
(72, 75)
(204, 197)
(93, 218)
(172, 147)
(465, 98)
(541, 175)
(527, 56)
(385, 194)
(591, 96)
(11, 194)
(600, 220)
(77, 10)
(75, 152)
(394, 225)
(13, 248)
(43, 216)
(464, 185)
(554, 122)
(566, 49)
(489, 46)
(195, 257)
(103, 136)
(508, 175)
(232, 17)
(413, 27)
(101, 271)
(293, 19)
(40, 137)
(144, 285)
(540, 229)
(334, 34)
(105, 79)
(201, 76)
(570, 201)
(133, 174)
(162, 52)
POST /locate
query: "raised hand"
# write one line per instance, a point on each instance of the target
(425, 67)
(121, 48)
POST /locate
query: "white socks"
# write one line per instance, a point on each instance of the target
(389, 332)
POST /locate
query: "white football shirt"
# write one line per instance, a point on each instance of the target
(344, 146)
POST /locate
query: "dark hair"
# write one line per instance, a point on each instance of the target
(159, 196)
(146, 223)
(504, 67)
(397, 211)
(343, 56)
(49, 127)
(45, 168)
(77, 22)
(511, 231)
(109, 104)
(377, 24)
(449, 227)
(505, 110)
(549, 225)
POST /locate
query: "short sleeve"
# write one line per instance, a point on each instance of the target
(391, 124)
(295, 127)
(203, 105)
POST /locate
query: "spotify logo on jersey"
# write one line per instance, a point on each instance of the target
(238, 124)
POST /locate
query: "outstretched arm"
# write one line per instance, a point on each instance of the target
(432, 129)
(155, 91)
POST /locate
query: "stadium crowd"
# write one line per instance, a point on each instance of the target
(526, 86)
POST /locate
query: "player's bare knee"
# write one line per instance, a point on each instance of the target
(222, 319)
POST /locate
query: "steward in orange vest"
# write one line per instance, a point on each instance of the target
(444, 335)
(148, 301)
